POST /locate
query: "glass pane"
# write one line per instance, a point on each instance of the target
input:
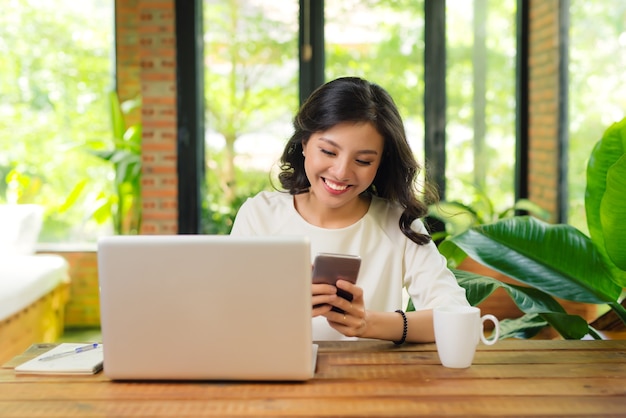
(251, 89)
(480, 131)
(597, 88)
(56, 71)
(383, 42)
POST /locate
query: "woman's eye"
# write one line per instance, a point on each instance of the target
(333, 154)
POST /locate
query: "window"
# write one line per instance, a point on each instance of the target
(56, 72)
(378, 40)
(597, 91)
(251, 95)
(384, 42)
(480, 82)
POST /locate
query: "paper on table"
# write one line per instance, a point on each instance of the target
(86, 362)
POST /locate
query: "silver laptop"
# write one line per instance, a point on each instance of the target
(206, 307)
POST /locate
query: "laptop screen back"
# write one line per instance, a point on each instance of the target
(206, 307)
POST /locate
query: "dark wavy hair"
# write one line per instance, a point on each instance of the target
(352, 99)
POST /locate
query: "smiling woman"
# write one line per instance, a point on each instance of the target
(351, 176)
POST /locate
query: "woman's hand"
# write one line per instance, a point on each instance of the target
(324, 295)
(353, 321)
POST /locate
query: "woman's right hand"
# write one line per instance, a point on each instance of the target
(323, 295)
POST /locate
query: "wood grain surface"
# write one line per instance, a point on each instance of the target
(360, 379)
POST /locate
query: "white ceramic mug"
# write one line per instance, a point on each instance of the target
(458, 329)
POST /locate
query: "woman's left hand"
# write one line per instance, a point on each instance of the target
(353, 321)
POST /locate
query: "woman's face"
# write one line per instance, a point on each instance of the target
(342, 162)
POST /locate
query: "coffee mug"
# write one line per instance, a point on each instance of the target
(458, 329)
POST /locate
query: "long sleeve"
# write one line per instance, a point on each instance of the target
(393, 268)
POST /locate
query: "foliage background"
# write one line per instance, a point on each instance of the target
(57, 71)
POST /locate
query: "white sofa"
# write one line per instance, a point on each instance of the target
(34, 288)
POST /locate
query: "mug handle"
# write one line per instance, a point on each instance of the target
(496, 329)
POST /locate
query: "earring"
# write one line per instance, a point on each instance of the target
(303, 154)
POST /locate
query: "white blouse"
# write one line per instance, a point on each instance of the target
(390, 261)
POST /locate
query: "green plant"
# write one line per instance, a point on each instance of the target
(557, 260)
(124, 205)
(458, 217)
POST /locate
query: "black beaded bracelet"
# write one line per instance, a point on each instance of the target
(404, 329)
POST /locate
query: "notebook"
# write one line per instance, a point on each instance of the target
(66, 358)
(206, 307)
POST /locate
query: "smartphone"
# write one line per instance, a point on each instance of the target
(328, 268)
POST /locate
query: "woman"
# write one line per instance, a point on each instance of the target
(351, 177)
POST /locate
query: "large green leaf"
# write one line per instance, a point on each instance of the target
(529, 300)
(606, 153)
(613, 213)
(557, 259)
(526, 326)
(540, 308)
(569, 326)
(453, 253)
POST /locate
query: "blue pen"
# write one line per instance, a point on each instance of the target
(69, 353)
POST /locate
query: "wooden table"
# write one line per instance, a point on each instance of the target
(368, 378)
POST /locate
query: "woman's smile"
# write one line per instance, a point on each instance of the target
(334, 187)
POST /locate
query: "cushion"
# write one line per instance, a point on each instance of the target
(24, 279)
(19, 228)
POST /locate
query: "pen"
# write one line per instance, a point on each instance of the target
(69, 353)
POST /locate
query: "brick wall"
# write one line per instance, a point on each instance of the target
(544, 99)
(83, 306)
(157, 54)
(146, 66)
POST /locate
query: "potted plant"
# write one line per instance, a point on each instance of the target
(124, 205)
(557, 260)
(456, 217)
